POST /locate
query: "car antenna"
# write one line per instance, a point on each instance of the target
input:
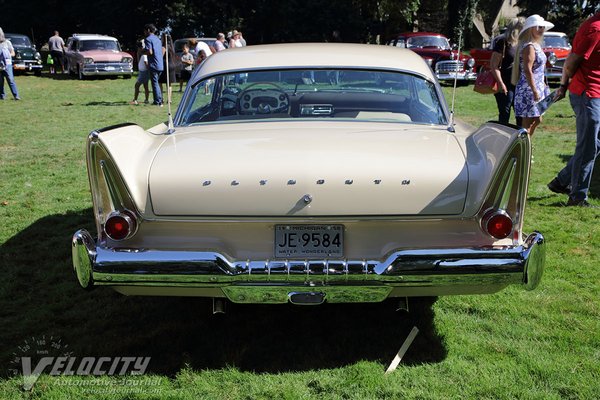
(451, 126)
(170, 123)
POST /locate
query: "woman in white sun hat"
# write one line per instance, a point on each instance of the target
(528, 72)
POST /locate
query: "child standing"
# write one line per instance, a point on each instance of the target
(187, 59)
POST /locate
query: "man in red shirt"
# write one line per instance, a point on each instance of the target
(582, 69)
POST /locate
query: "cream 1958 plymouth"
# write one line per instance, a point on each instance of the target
(309, 173)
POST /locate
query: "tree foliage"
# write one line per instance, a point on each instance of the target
(262, 21)
(270, 21)
(566, 15)
(460, 20)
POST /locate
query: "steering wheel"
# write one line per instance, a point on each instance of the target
(254, 100)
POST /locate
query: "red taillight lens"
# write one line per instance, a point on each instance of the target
(498, 224)
(119, 226)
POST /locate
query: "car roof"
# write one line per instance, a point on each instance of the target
(413, 34)
(555, 34)
(314, 55)
(16, 35)
(92, 36)
(196, 38)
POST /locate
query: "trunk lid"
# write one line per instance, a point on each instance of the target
(310, 169)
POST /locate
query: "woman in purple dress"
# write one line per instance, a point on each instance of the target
(528, 72)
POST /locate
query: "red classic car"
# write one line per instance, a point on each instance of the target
(436, 51)
(556, 46)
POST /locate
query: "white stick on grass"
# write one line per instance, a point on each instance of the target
(411, 336)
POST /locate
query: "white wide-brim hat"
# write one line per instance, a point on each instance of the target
(536, 20)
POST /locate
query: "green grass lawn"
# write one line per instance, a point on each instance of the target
(543, 344)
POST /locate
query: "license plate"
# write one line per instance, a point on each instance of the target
(109, 68)
(309, 241)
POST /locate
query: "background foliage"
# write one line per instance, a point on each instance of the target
(566, 15)
(270, 21)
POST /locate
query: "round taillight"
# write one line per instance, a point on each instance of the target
(498, 224)
(119, 226)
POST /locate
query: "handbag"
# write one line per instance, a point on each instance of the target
(485, 83)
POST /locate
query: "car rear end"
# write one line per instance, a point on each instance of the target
(332, 200)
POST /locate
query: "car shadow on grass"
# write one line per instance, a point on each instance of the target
(58, 76)
(107, 103)
(40, 298)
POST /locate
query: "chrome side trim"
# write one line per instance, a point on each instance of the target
(508, 190)
(503, 195)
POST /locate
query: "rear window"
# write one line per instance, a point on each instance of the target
(313, 94)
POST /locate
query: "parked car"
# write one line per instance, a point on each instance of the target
(482, 56)
(439, 55)
(178, 44)
(337, 176)
(97, 55)
(556, 46)
(27, 58)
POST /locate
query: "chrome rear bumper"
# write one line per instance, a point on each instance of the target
(405, 272)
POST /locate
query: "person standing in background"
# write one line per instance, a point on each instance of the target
(242, 40)
(143, 75)
(200, 45)
(528, 72)
(581, 75)
(235, 40)
(56, 45)
(501, 64)
(154, 50)
(219, 44)
(7, 52)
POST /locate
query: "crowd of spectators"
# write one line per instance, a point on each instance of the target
(159, 63)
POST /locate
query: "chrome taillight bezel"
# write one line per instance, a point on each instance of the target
(489, 215)
(129, 218)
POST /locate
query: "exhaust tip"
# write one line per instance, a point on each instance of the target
(306, 298)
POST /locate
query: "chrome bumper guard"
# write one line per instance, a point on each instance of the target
(276, 281)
